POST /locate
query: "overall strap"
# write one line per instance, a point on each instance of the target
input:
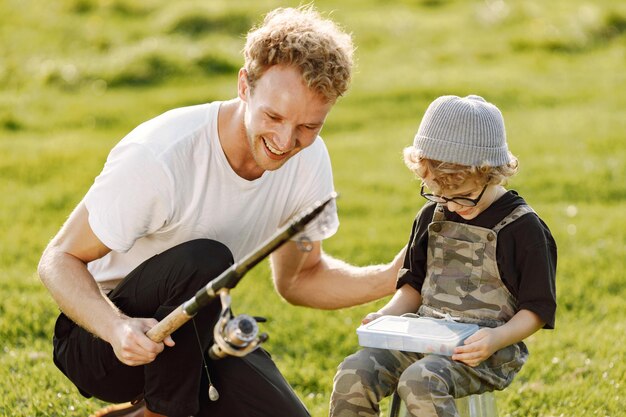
(518, 212)
(438, 214)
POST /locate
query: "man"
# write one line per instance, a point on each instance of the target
(182, 197)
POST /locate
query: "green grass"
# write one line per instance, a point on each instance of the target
(76, 75)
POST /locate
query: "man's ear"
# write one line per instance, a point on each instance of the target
(242, 84)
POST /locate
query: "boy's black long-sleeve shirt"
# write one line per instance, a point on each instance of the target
(526, 254)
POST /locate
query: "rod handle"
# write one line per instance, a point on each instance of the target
(168, 325)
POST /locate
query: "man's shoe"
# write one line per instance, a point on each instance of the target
(122, 410)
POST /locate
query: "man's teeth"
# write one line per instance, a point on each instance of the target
(272, 149)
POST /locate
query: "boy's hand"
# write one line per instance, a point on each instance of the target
(371, 317)
(477, 348)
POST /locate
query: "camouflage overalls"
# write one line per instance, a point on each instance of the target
(462, 281)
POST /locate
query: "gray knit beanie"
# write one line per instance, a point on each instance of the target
(466, 131)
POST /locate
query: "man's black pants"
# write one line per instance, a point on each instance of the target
(175, 383)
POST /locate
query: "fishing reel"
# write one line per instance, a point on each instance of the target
(234, 335)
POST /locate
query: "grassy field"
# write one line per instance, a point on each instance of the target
(76, 75)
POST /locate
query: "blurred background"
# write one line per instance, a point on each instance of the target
(77, 75)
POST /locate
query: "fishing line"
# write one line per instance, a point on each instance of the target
(213, 394)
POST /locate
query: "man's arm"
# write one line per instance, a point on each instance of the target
(63, 270)
(316, 279)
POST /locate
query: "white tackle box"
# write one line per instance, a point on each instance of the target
(415, 334)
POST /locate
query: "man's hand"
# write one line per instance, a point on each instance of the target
(131, 345)
(478, 347)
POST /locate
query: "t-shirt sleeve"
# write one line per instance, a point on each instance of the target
(413, 271)
(537, 266)
(319, 176)
(129, 199)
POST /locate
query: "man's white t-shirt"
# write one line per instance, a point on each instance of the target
(168, 182)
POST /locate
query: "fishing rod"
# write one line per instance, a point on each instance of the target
(231, 277)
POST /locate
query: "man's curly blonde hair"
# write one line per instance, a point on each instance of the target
(446, 176)
(302, 38)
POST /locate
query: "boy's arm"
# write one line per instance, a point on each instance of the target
(482, 344)
(318, 280)
(406, 300)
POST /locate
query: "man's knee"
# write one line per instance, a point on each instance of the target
(201, 260)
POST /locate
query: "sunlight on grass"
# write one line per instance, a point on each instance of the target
(77, 75)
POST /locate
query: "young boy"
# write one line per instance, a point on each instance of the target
(477, 253)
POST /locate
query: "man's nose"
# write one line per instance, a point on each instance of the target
(286, 137)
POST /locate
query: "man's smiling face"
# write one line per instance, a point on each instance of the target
(283, 115)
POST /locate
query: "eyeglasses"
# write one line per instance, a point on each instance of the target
(461, 201)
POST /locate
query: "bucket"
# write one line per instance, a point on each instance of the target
(479, 405)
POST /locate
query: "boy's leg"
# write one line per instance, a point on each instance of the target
(429, 386)
(364, 378)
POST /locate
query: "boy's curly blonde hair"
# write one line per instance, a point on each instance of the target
(302, 38)
(446, 176)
